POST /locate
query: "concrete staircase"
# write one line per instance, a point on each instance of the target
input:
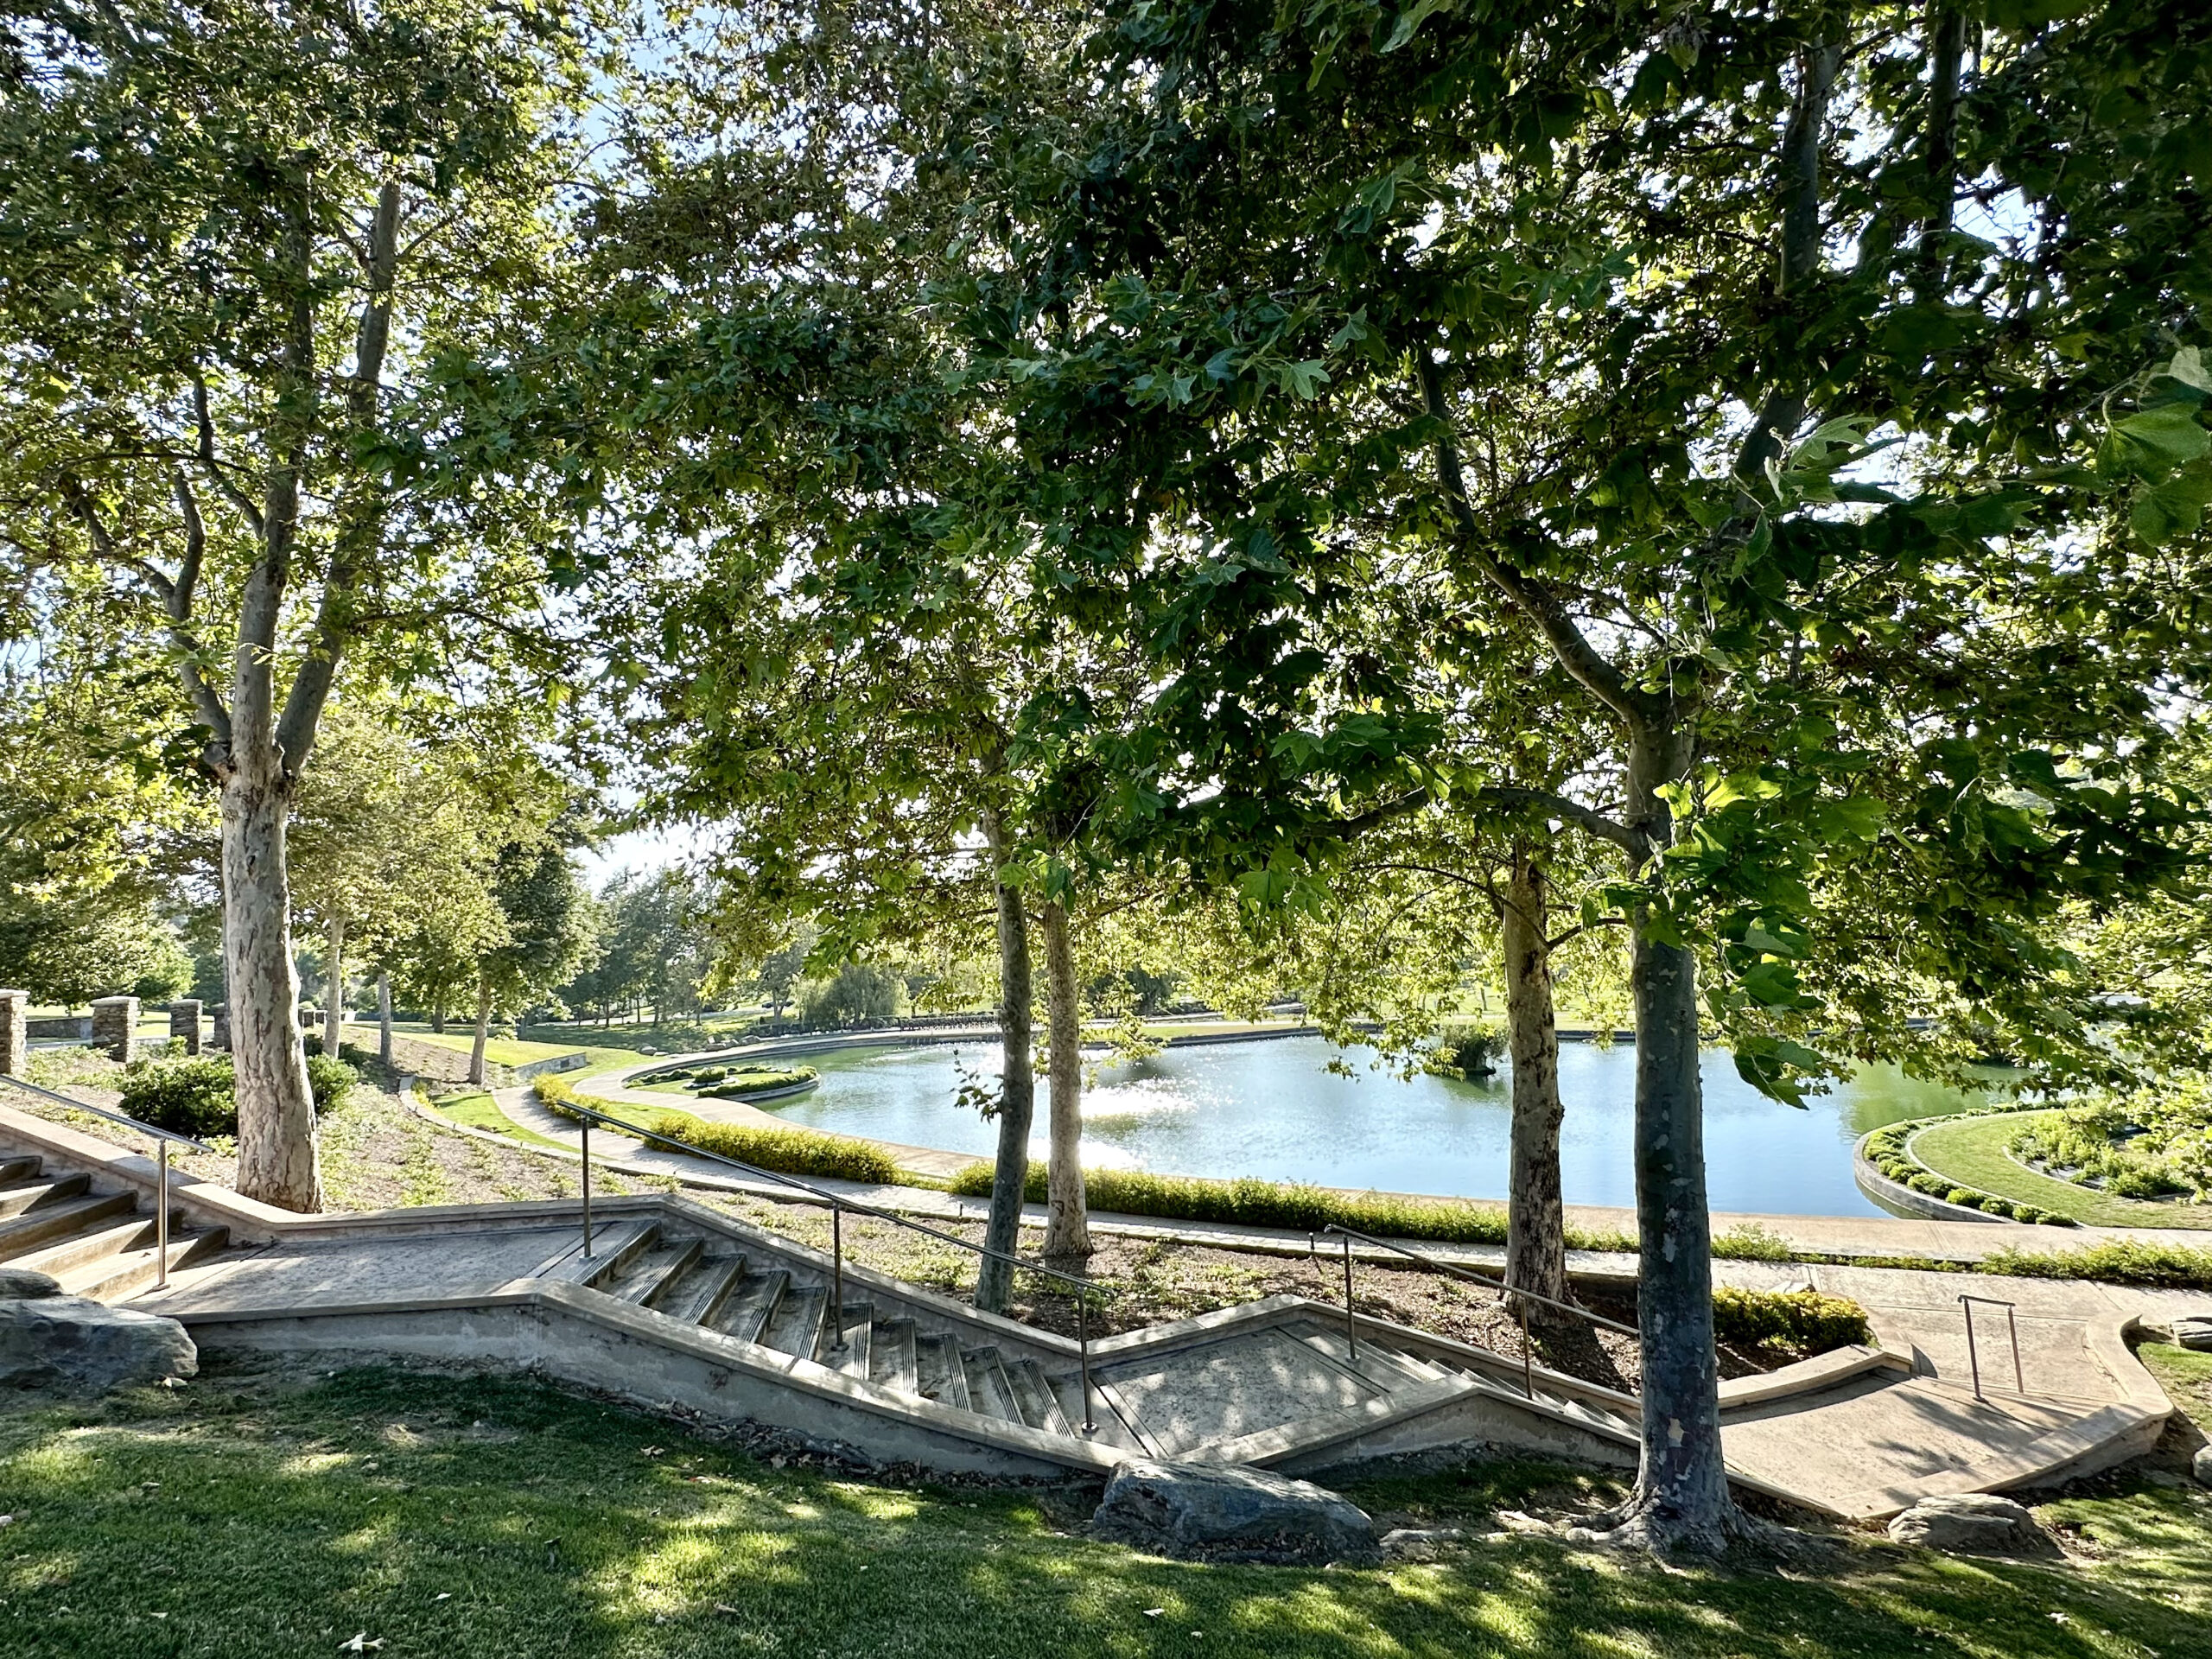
(97, 1245)
(752, 1298)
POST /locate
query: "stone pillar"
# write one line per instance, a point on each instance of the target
(114, 1026)
(14, 1036)
(184, 1024)
(220, 1036)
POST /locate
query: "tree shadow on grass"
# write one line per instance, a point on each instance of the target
(471, 1517)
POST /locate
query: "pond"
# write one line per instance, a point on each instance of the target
(1273, 1109)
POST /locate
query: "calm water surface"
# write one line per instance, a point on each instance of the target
(1275, 1110)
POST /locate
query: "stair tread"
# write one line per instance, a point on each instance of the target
(890, 1360)
(988, 1391)
(611, 1247)
(797, 1327)
(750, 1305)
(860, 1329)
(21, 1166)
(105, 1238)
(701, 1290)
(1033, 1394)
(1107, 1426)
(652, 1271)
(127, 1272)
(19, 1234)
(31, 1195)
(941, 1375)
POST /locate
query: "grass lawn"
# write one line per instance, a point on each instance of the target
(1970, 1151)
(500, 1051)
(253, 1515)
(478, 1110)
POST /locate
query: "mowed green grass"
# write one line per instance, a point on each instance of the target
(478, 1110)
(1970, 1151)
(488, 1519)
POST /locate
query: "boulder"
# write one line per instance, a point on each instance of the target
(1972, 1524)
(2201, 1465)
(1420, 1543)
(2194, 1331)
(87, 1347)
(23, 1285)
(1206, 1512)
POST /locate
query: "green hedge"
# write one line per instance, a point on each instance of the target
(758, 1080)
(2180, 1267)
(1253, 1203)
(793, 1152)
(1794, 1321)
(200, 1097)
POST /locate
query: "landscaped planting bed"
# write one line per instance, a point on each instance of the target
(1890, 1150)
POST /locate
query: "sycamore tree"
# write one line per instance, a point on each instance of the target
(1819, 382)
(238, 238)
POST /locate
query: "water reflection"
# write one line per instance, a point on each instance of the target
(1273, 1109)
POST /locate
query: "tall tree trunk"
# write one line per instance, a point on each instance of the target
(1681, 1497)
(1535, 1242)
(483, 1029)
(1017, 1090)
(438, 1012)
(1067, 1226)
(384, 1017)
(334, 1029)
(277, 1131)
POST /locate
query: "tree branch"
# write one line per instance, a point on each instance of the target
(1576, 654)
(205, 423)
(1628, 839)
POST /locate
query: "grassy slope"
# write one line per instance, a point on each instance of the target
(480, 1519)
(1971, 1152)
(500, 1051)
(479, 1110)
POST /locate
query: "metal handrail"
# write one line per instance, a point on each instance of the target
(1521, 1298)
(2012, 1325)
(161, 1139)
(587, 1115)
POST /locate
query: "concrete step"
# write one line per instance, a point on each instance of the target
(651, 1271)
(988, 1391)
(1385, 1367)
(939, 1371)
(1108, 1428)
(20, 1234)
(19, 1166)
(698, 1295)
(14, 1200)
(611, 1249)
(114, 1278)
(1033, 1395)
(797, 1328)
(94, 1243)
(891, 1358)
(746, 1312)
(859, 1330)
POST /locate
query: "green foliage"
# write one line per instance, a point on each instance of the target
(792, 1152)
(1255, 1203)
(2150, 1143)
(198, 1097)
(1890, 1150)
(1792, 1321)
(760, 1079)
(863, 992)
(1466, 1048)
(2125, 1262)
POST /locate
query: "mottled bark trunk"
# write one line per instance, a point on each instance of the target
(384, 1017)
(483, 1031)
(334, 1026)
(276, 1130)
(1682, 1491)
(1535, 1245)
(438, 1015)
(1017, 1091)
(1067, 1227)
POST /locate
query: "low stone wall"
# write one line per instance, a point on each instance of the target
(1901, 1200)
(574, 1062)
(60, 1028)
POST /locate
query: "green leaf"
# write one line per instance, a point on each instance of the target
(2162, 439)
(2173, 509)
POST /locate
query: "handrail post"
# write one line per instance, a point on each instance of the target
(837, 1274)
(162, 1219)
(1083, 1337)
(1974, 1361)
(586, 1121)
(2012, 1324)
(1352, 1326)
(1528, 1358)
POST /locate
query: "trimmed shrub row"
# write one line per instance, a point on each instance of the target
(735, 1082)
(1888, 1151)
(2179, 1266)
(198, 1097)
(1253, 1203)
(1793, 1321)
(792, 1152)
